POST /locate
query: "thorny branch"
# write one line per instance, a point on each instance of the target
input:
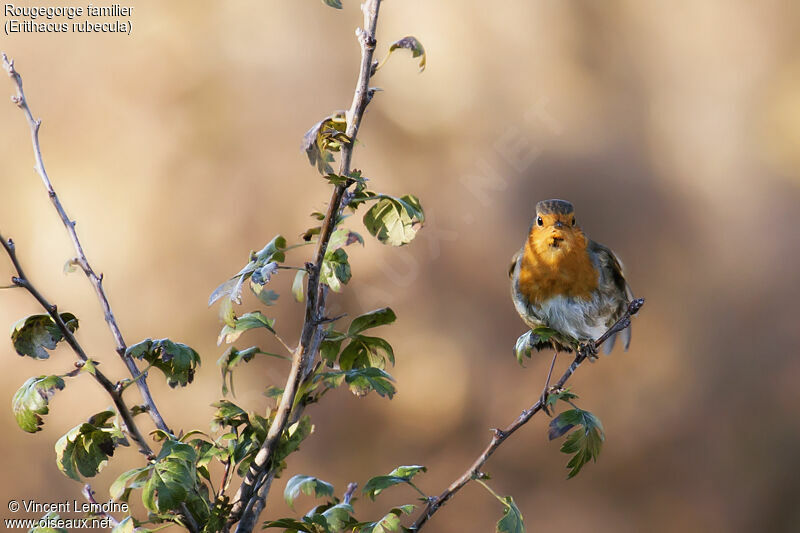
(96, 280)
(500, 435)
(260, 472)
(116, 394)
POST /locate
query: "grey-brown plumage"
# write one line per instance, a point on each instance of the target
(565, 281)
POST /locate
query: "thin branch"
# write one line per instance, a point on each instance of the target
(96, 280)
(348, 495)
(500, 435)
(285, 344)
(97, 283)
(88, 493)
(311, 334)
(115, 393)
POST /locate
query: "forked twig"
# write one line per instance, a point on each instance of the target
(96, 280)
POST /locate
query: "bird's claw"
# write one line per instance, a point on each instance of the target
(588, 350)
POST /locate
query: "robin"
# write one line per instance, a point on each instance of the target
(564, 281)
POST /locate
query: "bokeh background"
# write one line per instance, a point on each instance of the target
(674, 128)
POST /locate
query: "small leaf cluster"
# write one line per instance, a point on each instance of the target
(176, 360)
(86, 448)
(337, 516)
(258, 271)
(586, 441)
(30, 401)
(511, 521)
(361, 363)
(36, 334)
(168, 482)
(540, 338)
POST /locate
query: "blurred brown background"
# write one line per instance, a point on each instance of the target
(674, 128)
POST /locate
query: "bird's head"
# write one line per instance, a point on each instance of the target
(554, 230)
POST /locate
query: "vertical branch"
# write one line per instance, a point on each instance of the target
(80, 259)
(245, 511)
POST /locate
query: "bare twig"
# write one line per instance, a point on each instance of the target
(97, 283)
(88, 493)
(20, 280)
(348, 495)
(96, 280)
(311, 334)
(500, 435)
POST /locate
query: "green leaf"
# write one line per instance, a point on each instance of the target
(411, 43)
(362, 380)
(132, 479)
(308, 485)
(329, 350)
(172, 478)
(390, 522)
(543, 333)
(30, 401)
(343, 237)
(297, 285)
(339, 517)
(523, 346)
(335, 269)
(85, 449)
(289, 524)
(48, 524)
(512, 519)
(177, 361)
(335, 179)
(401, 474)
(364, 352)
(231, 358)
(336, 4)
(373, 319)
(90, 366)
(243, 323)
(538, 338)
(571, 418)
(394, 221)
(35, 334)
(227, 414)
(585, 443)
(292, 437)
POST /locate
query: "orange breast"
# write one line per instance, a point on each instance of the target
(556, 273)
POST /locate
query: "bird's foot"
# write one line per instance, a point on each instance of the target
(588, 350)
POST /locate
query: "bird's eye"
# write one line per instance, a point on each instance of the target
(539, 221)
(573, 221)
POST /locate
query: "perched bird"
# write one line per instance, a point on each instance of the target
(564, 281)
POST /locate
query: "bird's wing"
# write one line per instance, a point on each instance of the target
(513, 264)
(612, 265)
